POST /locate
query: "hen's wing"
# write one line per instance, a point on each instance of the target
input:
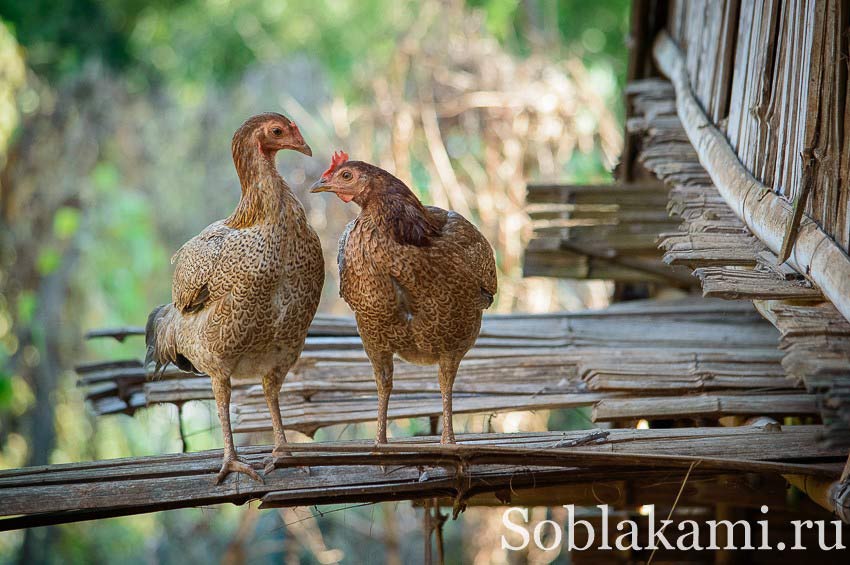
(340, 256)
(197, 263)
(476, 250)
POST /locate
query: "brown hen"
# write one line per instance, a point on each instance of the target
(245, 289)
(417, 278)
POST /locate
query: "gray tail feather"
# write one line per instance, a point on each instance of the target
(151, 354)
(154, 354)
(487, 297)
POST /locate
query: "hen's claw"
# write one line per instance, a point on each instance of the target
(237, 466)
(269, 462)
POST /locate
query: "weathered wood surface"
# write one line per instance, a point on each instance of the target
(750, 284)
(730, 262)
(710, 406)
(815, 253)
(610, 197)
(787, 81)
(602, 232)
(815, 341)
(62, 493)
(250, 413)
(520, 363)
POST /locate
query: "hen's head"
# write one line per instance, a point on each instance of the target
(387, 197)
(353, 180)
(269, 133)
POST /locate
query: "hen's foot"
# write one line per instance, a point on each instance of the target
(379, 443)
(269, 462)
(237, 466)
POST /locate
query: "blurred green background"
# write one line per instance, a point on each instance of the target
(115, 125)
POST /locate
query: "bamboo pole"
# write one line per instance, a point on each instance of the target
(828, 493)
(814, 254)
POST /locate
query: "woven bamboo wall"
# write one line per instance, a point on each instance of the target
(774, 74)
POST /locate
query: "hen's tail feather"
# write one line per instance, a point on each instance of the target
(150, 338)
(161, 342)
(487, 298)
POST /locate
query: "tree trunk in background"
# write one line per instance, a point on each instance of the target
(46, 337)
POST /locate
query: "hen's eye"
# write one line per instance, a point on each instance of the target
(346, 175)
(277, 131)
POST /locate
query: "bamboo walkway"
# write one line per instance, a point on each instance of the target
(507, 466)
(694, 359)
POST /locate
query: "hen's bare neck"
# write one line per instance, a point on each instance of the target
(263, 189)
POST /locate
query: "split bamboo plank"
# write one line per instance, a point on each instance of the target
(82, 491)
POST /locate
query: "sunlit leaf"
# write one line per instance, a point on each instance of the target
(105, 177)
(49, 260)
(66, 222)
(26, 306)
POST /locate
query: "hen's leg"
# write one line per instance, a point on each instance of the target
(448, 370)
(382, 365)
(271, 389)
(231, 464)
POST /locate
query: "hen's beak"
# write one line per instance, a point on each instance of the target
(320, 186)
(304, 148)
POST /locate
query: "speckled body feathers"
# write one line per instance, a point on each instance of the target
(419, 302)
(243, 299)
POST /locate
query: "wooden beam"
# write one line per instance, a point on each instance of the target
(704, 406)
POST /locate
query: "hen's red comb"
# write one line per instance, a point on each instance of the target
(338, 159)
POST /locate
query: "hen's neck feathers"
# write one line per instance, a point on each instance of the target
(393, 207)
(263, 189)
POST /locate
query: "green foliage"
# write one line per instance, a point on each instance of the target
(196, 41)
(60, 36)
(66, 222)
(48, 260)
(5, 390)
(502, 16)
(593, 29)
(124, 262)
(199, 41)
(586, 168)
(26, 306)
(598, 27)
(105, 177)
(207, 40)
